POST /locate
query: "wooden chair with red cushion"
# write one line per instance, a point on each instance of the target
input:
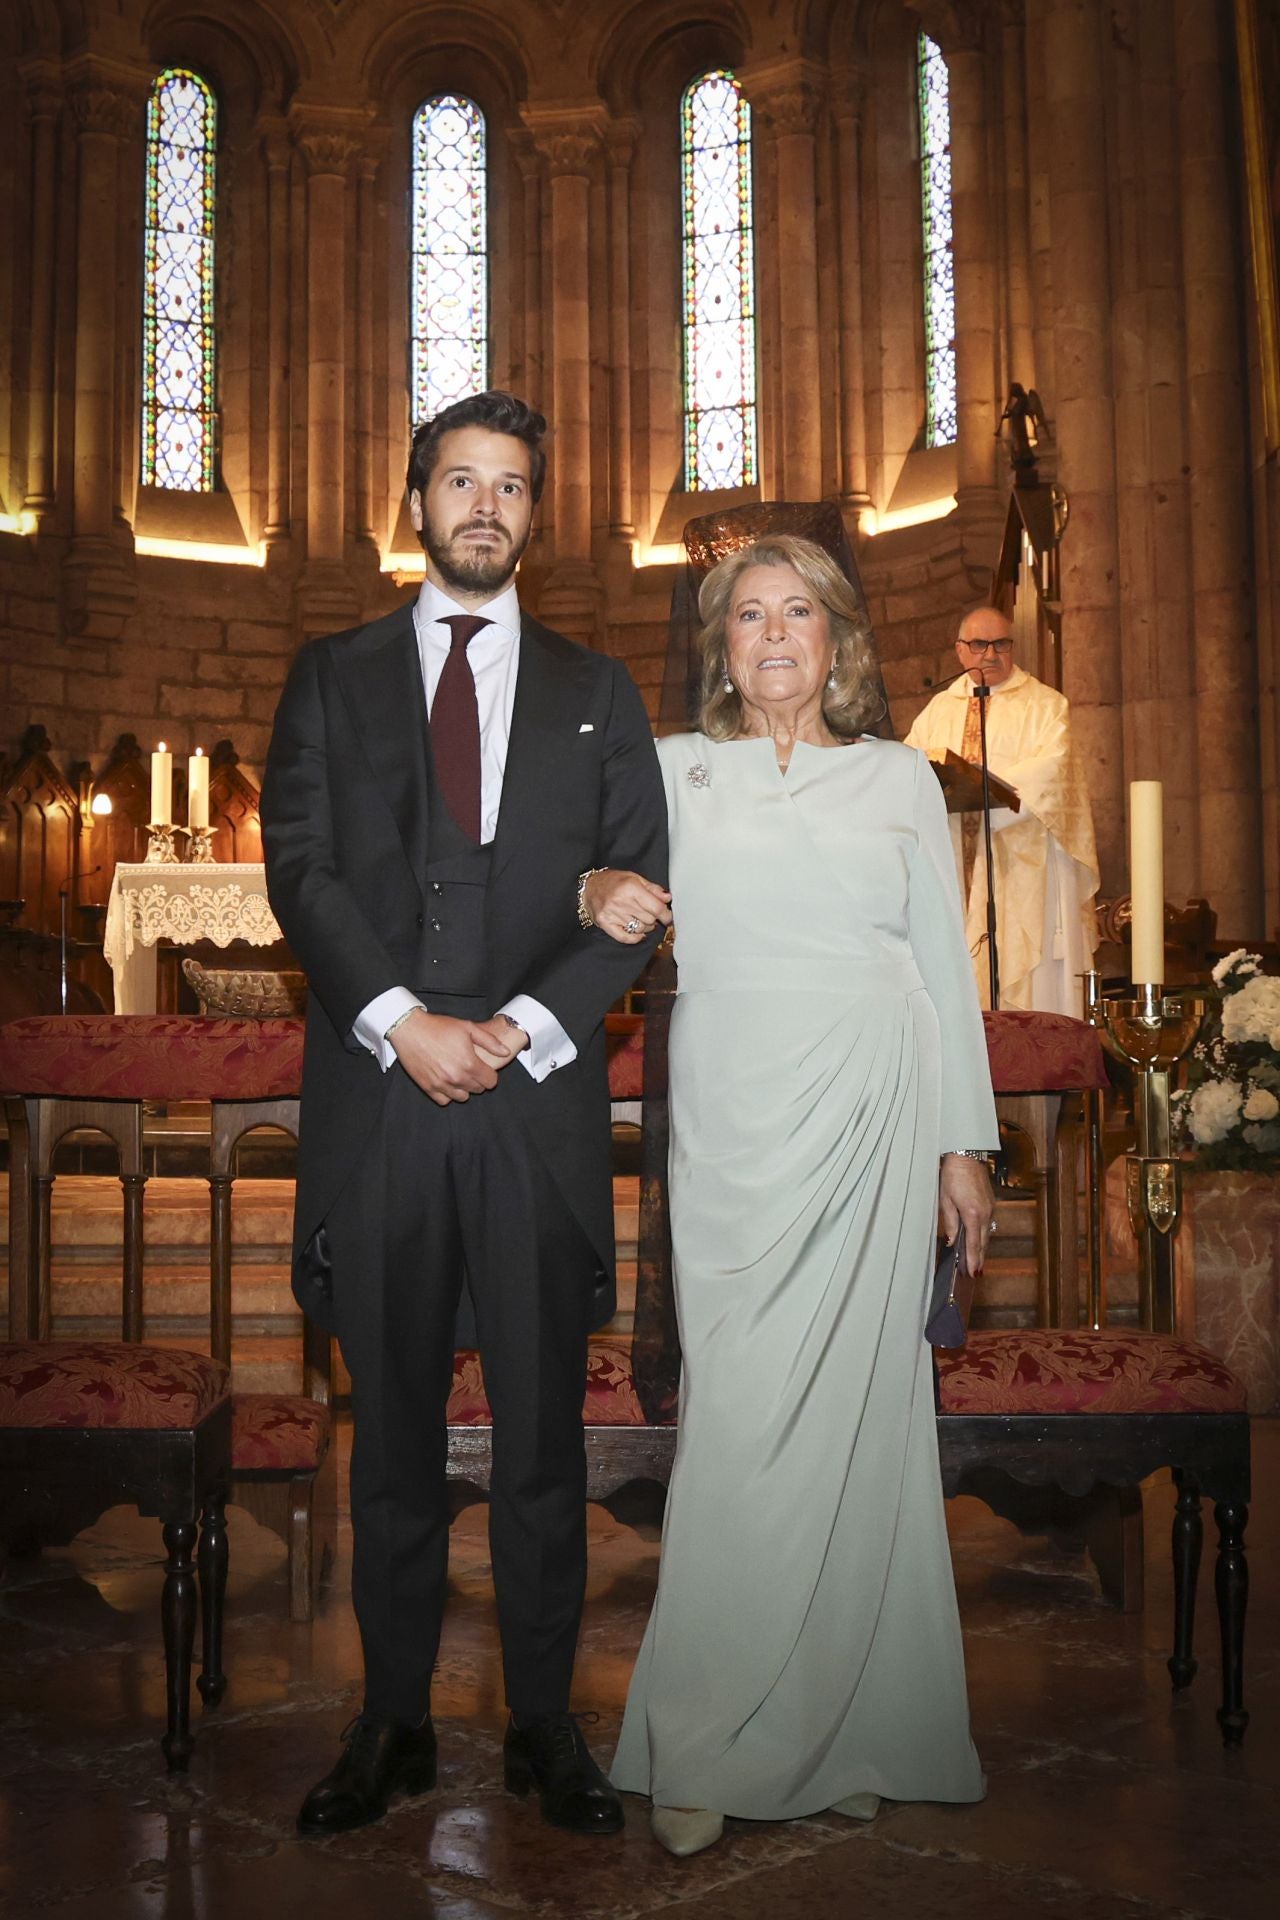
(88, 1425)
(96, 1072)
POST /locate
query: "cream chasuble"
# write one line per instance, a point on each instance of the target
(1045, 859)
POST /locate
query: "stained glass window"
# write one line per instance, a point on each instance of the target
(179, 421)
(719, 286)
(449, 270)
(939, 263)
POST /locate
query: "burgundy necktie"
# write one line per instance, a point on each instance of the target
(455, 726)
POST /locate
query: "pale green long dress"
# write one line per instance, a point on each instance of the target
(826, 1046)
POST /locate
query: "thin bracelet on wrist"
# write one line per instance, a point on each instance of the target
(585, 920)
(970, 1153)
(401, 1018)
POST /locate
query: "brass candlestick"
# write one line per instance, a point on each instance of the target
(162, 848)
(1152, 1032)
(1095, 1171)
(201, 853)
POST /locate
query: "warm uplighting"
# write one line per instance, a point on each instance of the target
(100, 804)
(25, 522)
(871, 522)
(670, 555)
(222, 556)
(413, 564)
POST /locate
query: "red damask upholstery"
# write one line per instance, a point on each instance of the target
(278, 1432)
(1043, 1053)
(626, 1065)
(611, 1399)
(100, 1383)
(1042, 1370)
(151, 1057)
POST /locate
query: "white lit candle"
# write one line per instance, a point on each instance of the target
(1146, 881)
(162, 787)
(197, 791)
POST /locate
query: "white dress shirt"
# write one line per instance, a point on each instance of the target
(494, 657)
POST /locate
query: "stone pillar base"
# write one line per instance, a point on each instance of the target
(99, 590)
(1231, 1233)
(324, 600)
(573, 602)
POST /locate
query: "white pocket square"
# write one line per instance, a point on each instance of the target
(586, 727)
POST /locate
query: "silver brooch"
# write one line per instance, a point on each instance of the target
(697, 775)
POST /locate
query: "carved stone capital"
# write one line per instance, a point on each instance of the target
(326, 150)
(620, 141)
(847, 94)
(569, 142)
(788, 95)
(44, 90)
(277, 148)
(103, 109)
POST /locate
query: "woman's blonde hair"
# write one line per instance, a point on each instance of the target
(852, 701)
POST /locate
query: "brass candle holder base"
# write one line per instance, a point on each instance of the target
(1151, 1032)
(162, 845)
(201, 853)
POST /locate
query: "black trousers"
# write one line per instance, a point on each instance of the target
(437, 1189)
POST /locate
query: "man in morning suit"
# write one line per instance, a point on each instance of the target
(437, 782)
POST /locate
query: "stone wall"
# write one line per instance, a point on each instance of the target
(1100, 255)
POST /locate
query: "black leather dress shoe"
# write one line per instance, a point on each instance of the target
(551, 1754)
(379, 1759)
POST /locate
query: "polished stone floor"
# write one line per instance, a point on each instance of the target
(1105, 1798)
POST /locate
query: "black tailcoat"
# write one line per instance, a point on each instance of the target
(345, 824)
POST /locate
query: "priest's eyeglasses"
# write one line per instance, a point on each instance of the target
(982, 646)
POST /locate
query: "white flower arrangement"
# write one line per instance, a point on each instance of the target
(1229, 1112)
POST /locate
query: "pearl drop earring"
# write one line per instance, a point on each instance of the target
(728, 684)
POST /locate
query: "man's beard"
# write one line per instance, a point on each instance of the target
(473, 569)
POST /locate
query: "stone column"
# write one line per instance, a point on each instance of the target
(1073, 49)
(44, 103)
(1226, 707)
(326, 594)
(978, 398)
(276, 154)
(854, 497)
(1020, 324)
(787, 97)
(621, 141)
(529, 277)
(98, 586)
(1039, 239)
(366, 218)
(569, 143)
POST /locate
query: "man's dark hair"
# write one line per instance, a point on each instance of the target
(500, 413)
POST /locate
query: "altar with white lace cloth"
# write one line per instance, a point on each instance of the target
(184, 903)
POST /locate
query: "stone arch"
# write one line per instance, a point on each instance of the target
(669, 42)
(240, 47)
(462, 50)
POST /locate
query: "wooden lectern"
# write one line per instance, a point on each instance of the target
(961, 783)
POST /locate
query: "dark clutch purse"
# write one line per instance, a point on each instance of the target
(951, 1298)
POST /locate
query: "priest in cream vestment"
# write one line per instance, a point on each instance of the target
(1046, 864)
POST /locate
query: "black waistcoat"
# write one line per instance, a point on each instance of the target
(452, 957)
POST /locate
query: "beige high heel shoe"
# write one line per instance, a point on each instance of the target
(685, 1830)
(858, 1806)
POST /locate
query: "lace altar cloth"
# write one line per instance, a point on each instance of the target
(183, 903)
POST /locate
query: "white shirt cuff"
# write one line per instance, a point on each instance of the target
(370, 1026)
(549, 1045)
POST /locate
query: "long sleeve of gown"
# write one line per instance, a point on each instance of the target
(935, 928)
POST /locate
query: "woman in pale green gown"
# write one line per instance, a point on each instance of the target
(826, 1060)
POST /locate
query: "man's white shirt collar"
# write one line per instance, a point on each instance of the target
(434, 604)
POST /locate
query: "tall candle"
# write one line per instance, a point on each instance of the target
(1146, 880)
(197, 791)
(162, 787)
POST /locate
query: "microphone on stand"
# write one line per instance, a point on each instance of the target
(944, 683)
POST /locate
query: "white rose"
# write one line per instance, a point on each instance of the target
(1252, 1013)
(1227, 962)
(1261, 1105)
(1273, 1040)
(1215, 1108)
